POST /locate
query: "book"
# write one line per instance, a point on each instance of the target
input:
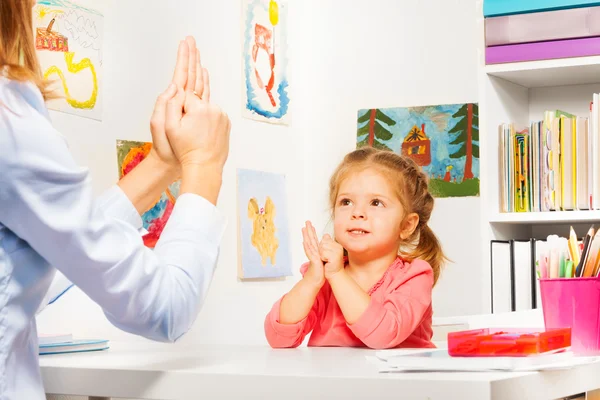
(47, 339)
(549, 50)
(568, 179)
(493, 8)
(75, 346)
(523, 274)
(502, 272)
(582, 152)
(594, 160)
(542, 26)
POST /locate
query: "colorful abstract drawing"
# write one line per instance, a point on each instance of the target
(265, 61)
(263, 234)
(442, 139)
(68, 41)
(130, 154)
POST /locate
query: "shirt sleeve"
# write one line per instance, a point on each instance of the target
(291, 335)
(115, 204)
(388, 322)
(46, 199)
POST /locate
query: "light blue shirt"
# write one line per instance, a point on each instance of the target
(48, 220)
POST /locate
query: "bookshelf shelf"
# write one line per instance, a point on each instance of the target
(561, 72)
(551, 217)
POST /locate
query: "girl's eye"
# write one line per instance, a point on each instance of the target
(345, 202)
(376, 202)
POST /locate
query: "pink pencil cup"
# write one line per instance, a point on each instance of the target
(574, 303)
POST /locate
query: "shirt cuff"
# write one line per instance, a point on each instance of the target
(195, 219)
(115, 203)
(288, 330)
(368, 321)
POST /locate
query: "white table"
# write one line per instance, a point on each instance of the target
(168, 372)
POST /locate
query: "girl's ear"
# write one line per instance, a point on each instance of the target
(408, 226)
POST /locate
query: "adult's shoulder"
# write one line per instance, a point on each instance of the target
(22, 98)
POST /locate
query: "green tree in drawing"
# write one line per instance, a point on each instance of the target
(373, 128)
(466, 132)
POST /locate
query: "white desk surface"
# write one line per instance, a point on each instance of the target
(168, 372)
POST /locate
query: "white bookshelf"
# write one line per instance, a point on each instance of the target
(550, 217)
(520, 93)
(532, 74)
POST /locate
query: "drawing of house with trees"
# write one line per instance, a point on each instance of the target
(442, 139)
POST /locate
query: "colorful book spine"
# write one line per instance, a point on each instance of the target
(495, 8)
(543, 50)
(543, 26)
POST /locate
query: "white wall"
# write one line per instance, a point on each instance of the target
(344, 57)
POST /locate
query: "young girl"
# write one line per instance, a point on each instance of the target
(378, 296)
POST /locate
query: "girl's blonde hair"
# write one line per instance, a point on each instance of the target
(412, 191)
(18, 59)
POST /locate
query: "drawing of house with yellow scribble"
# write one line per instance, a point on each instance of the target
(417, 146)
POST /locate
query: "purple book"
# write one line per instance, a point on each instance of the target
(539, 27)
(543, 50)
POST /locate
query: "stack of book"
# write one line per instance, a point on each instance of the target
(518, 264)
(64, 343)
(552, 165)
(515, 286)
(518, 30)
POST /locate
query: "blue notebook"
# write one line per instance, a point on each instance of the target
(496, 8)
(75, 346)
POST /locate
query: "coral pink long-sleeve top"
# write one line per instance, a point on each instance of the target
(399, 314)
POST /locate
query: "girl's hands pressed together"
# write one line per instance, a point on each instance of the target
(315, 272)
(332, 254)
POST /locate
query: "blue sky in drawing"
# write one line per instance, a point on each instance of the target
(66, 4)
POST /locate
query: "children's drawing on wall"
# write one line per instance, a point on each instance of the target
(130, 154)
(263, 233)
(68, 41)
(265, 61)
(442, 139)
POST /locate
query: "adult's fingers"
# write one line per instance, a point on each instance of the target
(160, 107)
(175, 110)
(206, 88)
(182, 65)
(199, 87)
(191, 73)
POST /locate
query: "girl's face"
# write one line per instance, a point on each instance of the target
(368, 216)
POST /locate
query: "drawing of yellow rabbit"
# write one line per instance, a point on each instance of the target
(263, 229)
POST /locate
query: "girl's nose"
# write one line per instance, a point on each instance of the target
(358, 213)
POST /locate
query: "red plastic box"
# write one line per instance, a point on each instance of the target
(507, 342)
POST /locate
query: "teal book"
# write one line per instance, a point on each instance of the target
(74, 346)
(496, 8)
